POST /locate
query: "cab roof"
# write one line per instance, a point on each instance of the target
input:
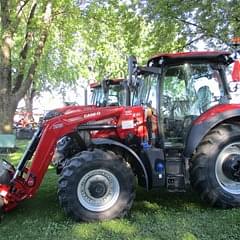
(95, 85)
(196, 56)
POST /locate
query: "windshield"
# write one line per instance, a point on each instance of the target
(114, 95)
(97, 94)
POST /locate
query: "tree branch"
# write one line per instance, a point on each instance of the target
(5, 50)
(20, 7)
(5, 19)
(203, 30)
(25, 48)
(190, 42)
(189, 23)
(47, 19)
(19, 12)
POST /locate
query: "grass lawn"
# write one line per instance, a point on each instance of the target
(155, 215)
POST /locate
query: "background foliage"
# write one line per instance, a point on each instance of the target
(91, 39)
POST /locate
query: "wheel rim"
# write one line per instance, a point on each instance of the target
(228, 184)
(98, 190)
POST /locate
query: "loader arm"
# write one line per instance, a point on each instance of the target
(29, 174)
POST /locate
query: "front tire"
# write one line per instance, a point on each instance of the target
(215, 167)
(96, 185)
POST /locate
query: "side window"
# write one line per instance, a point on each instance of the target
(207, 86)
(188, 91)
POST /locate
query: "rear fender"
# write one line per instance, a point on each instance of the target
(111, 143)
(203, 124)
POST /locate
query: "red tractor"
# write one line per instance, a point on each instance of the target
(105, 93)
(110, 92)
(181, 129)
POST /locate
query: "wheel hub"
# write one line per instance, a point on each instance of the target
(227, 168)
(98, 190)
(231, 167)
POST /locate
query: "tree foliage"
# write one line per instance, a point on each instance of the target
(27, 28)
(215, 22)
(46, 42)
(113, 30)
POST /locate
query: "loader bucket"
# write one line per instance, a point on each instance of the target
(6, 172)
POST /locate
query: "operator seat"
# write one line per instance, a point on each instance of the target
(204, 97)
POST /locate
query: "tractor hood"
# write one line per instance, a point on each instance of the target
(60, 111)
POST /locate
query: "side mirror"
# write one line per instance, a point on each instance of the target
(132, 67)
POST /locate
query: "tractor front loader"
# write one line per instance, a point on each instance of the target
(102, 171)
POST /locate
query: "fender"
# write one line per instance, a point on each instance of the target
(208, 120)
(104, 141)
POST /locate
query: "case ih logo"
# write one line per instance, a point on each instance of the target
(88, 115)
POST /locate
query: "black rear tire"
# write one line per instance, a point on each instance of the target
(207, 172)
(96, 185)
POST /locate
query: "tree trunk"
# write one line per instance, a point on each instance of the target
(28, 99)
(29, 106)
(8, 105)
(13, 90)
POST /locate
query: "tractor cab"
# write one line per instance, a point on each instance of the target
(189, 98)
(110, 92)
(186, 86)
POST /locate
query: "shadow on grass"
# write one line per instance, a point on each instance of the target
(162, 198)
(154, 215)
